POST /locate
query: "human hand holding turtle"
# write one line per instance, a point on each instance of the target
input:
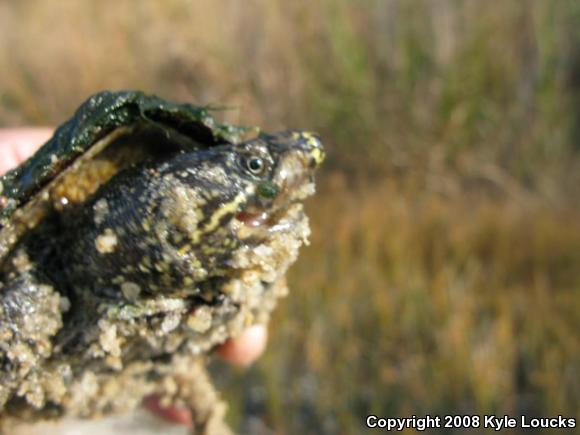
(16, 145)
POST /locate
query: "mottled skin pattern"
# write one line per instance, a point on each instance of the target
(121, 296)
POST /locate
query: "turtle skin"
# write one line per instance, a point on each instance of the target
(141, 236)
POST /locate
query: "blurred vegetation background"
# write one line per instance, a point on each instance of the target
(444, 271)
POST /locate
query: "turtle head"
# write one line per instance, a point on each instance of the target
(283, 166)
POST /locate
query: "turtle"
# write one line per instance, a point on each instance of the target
(142, 235)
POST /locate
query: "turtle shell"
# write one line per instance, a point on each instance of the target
(109, 132)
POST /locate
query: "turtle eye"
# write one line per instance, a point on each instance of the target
(255, 165)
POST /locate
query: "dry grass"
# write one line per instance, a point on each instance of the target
(414, 304)
(444, 272)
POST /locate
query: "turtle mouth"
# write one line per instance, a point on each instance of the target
(269, 217)
(253, 220)
(262, 221)
(258, 227)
